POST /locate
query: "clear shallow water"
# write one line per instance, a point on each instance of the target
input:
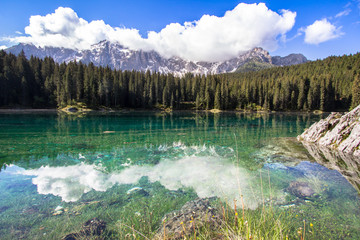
(88, 165)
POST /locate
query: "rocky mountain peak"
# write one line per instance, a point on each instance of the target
(260, 51)
(292, 59)
(114, 55)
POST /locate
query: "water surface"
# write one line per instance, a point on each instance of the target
(58, 171)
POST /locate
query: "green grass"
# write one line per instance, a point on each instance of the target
(300, 222)
(140, 217)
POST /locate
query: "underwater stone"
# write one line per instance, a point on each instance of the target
(275, 166)
(108, 131)
(4, 208)
(288, 206)
(137, 191)
(193, 215)
(94, 227)
(30, 210)
(90, 229)
(346, 164)
(57, 213)
(301, 189)
(58, 210)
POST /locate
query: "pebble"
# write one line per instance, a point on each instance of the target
(133, 190)
(137, 191)
(58, 211)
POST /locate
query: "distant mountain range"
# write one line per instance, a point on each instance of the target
(116, 56)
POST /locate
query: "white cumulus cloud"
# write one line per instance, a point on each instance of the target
(3, 47)
(65, 29)
(211, 38)
(321, 31)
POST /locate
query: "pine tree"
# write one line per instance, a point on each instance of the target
(207, 100)
(322, 95)
(224, 92)
(79, 81)
(301, 96)
(276, 99)
(326, 84)
(217, 101)
(266, 104)
(165, 101)
(310, 99)
(355, 91)
(293, 103)
(68, 84)
(24, 92)
(197, 102)
(172, 101)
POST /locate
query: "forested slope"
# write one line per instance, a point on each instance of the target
(324, 84)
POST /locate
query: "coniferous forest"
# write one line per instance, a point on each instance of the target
(329, 84)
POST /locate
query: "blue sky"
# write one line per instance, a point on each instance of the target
(320, 28)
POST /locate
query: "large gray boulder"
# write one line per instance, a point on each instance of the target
(340, 132)
(301, 189)
(189, 219)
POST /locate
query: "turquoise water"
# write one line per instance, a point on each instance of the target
(58, 171)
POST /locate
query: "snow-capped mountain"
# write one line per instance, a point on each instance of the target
(116, 56)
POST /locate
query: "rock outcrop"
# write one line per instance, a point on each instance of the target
(339, 132)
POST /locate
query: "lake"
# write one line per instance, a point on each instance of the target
(131, 168)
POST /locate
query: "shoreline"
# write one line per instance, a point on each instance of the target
(128, 110)
(27, 110)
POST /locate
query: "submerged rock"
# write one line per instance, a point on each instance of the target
(340, 132)
(287, 151)
(108, 131)
(90, 229)
(4, 208)
(94, 227)
(301, 189)
(138, 191)
(30, 210)
(347, 165)
(191, 217)
(58, 210)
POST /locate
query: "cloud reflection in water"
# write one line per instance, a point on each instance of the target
(208, 176)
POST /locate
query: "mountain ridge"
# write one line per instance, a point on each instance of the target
(116, 56)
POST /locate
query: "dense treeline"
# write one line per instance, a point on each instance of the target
(323, 84)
